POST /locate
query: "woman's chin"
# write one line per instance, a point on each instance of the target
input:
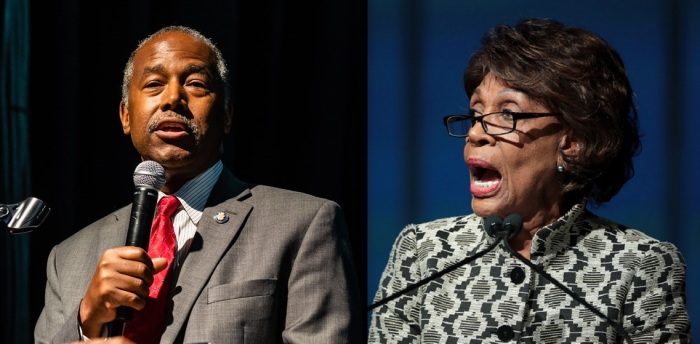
(486, 206)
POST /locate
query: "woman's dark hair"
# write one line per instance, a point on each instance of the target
(574, 72)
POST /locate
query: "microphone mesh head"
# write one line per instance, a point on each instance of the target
(150, 173)
(492, 225)
(512, 224)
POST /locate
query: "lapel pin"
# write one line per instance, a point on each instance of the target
(221, 217)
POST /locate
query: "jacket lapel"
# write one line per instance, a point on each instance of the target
(210, 243)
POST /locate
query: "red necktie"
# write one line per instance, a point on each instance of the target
(148, 324)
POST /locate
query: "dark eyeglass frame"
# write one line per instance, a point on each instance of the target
(473, 118)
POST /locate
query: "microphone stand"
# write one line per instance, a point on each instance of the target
(23, 216)
(438, 274)
(614, 324)
(492, 224)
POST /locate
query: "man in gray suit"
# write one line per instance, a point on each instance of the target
(254, 264)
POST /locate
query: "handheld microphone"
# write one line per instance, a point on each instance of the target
(149, 177)
(492, 224)
(515, 222)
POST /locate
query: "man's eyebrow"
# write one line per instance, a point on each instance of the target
(194, 68)
(157, 69)
(190, 69)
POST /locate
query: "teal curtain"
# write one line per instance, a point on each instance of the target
(15, 168)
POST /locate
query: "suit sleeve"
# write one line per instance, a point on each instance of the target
(54, 325)
(324, 301)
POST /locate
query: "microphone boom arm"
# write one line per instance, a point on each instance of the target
(435, 276)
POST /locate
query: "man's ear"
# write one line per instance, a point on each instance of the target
(124, 118)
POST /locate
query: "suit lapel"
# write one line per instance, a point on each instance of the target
(210, 243)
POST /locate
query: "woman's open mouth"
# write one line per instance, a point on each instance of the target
(485, 179)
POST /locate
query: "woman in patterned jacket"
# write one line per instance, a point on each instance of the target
(552, 125)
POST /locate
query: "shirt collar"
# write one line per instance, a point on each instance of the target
(194, 194)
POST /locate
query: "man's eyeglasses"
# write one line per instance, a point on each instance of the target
(497, 123)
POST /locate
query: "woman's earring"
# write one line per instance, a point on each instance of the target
(560, 169)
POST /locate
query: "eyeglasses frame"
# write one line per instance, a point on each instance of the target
(516, 116)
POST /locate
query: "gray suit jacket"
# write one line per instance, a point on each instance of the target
(279, 271)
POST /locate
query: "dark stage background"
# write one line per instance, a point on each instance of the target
(299, 76)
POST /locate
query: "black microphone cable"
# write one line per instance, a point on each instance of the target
(492, 224)
(514, 220)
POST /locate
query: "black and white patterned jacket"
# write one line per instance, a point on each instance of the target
(634, 279)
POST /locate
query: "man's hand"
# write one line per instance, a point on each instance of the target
(122, 278)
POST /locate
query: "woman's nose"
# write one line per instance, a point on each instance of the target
(478, 136)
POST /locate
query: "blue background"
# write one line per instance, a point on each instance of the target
(417, 51)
